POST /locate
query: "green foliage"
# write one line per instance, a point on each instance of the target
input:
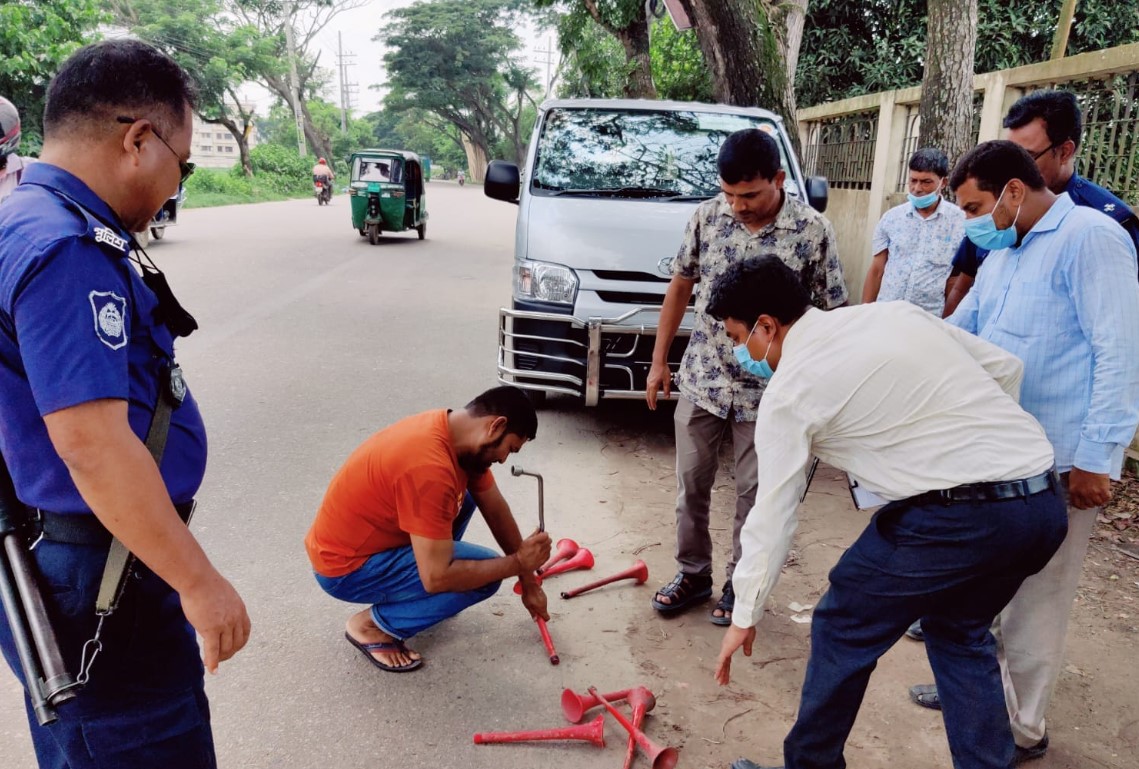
(36, 36)
(275, 160)
(420, 133)
(875, 45)
(678, 64)
(453, 59)
(213, 180)
(595, 64)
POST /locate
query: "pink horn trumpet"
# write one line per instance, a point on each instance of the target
(566, 548)
(593, 732)
(642, 701)
(549, 642)
(662, 757)
(582, 559)
(638, 571)
(575, 705)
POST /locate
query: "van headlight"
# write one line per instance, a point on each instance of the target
(544, 282)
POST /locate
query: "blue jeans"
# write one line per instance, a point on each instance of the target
(952, 566)
(390, 582)
(145, 705)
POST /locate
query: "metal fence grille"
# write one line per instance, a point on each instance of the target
(842, 149)
(1109, 151)
(913, 129)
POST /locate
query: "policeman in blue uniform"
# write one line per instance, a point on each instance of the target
(1048, 124)
(86, 355)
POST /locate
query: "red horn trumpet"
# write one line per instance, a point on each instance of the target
(638, 571)
(566, 548)
(661, 757)
(593, 732)
(549, 642)
(642, 701)
(575, 705)
(582, 559)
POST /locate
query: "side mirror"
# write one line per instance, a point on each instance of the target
(503, 182)
(817, 192)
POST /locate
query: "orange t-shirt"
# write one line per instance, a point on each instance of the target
(403, 480)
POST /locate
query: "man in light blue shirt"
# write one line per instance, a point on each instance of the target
(914, 243)
(1059, 292)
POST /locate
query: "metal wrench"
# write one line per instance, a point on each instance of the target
(516, 471)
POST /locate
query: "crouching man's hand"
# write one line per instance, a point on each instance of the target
(533, 552)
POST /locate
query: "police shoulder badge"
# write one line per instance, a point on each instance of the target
(110, 311)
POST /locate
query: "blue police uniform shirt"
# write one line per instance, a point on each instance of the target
(76, 325)
(1083, 192)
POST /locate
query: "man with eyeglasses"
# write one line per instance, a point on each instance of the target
(1048, 125)
(105, 445)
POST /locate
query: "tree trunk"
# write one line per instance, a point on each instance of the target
(794, 18)
(320, 143)
(240, 136)
(477, 154)
(947, 86)
(635, 40)
(742, 51)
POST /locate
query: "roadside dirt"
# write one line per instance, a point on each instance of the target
(1094, 720)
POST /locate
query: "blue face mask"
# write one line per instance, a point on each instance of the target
(759, 368)
(925, 201)
(984, 233)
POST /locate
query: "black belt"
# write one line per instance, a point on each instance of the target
(81, 528)
(991, 492)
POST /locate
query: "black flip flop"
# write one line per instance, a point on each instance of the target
(926, 696)
(366, 649)
(680, 587)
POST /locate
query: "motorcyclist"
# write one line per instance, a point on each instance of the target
(11, 165)
(322, 172)
(462, 178)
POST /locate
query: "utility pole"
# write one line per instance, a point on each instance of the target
(1063, 27)
(547, 59)
(344, 61)
(294, 81)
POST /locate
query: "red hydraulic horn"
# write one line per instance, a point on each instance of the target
(549, 642)
(582, 559)
(566, 548)
(638, 571)
(661, 757)
(593, 732)
(575, 705)
(642, 701)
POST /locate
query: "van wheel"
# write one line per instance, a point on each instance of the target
(143, 237)
(373, 234)
(422, 230)
(157, 232)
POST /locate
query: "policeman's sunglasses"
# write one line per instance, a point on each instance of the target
(183, 166)
(1049, 148)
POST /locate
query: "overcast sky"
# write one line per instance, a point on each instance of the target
(358, 27)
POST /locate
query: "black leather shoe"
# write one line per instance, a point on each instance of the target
(1030, 754)
(914, 631)
(743, 763)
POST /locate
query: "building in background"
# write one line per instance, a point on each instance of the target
(213, 146)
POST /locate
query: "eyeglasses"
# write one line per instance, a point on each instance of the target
(1040, 154)
(183, 166)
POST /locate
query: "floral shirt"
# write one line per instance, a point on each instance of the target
(709, 375)
(921, 253)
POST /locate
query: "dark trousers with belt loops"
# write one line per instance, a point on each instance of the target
(145, 706)
(954, 566)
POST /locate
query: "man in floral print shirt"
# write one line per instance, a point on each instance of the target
(752, 217)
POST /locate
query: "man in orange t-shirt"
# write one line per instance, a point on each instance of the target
(389, 531)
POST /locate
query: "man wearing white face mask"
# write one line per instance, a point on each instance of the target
(974, 505)
(1058, 291)
(914, 243)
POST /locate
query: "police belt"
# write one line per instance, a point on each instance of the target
(81, 529)
(990, 492)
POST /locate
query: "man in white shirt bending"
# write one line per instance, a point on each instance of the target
(926, 416)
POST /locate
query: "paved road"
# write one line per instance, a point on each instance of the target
(310, 340)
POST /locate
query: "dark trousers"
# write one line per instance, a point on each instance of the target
(145, 705)
(952, 566)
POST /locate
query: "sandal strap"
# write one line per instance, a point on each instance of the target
(680, 586)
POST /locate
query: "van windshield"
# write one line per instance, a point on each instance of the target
(635, 153)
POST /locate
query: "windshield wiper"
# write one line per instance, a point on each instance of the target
(620, 192)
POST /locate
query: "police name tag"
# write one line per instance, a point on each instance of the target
(108, 236)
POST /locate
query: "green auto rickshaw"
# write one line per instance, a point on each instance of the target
(386, 190)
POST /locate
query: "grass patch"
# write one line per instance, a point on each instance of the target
(211, 199)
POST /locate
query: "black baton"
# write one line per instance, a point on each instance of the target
(49, 684)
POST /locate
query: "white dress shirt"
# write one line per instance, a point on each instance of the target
(899, 399)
